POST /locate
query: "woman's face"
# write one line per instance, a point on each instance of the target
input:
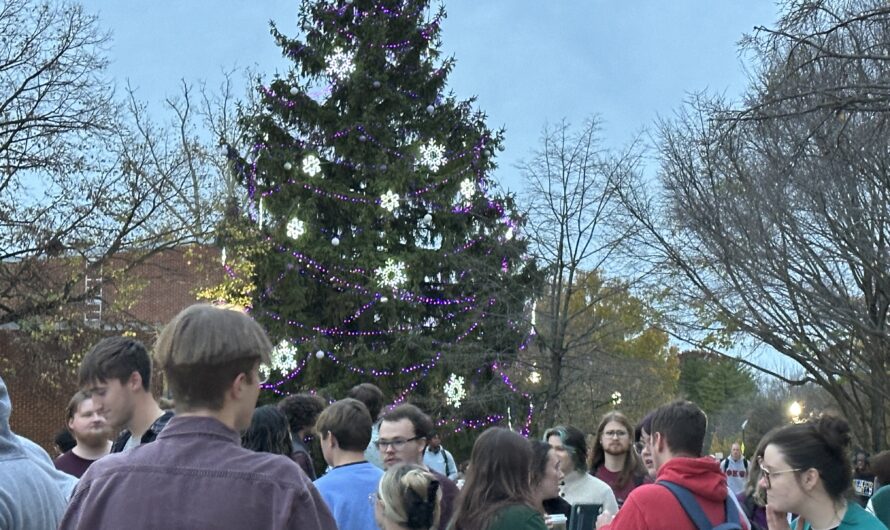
(553, 475)
(646, 454)
(783, 491)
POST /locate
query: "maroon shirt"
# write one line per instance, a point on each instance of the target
(72, 464)
(611, 479)
(196, 475)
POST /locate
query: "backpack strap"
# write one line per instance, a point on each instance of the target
(689, 504)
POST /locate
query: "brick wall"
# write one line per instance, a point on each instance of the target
(40, 373)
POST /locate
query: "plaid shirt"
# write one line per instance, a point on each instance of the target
(149, 435)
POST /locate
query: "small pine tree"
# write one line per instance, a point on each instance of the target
(387, 253)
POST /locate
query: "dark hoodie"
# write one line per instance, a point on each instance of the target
(651, 506)
(30, 497)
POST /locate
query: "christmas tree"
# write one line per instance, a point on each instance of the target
(385, 252)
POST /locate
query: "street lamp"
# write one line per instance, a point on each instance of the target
(795, 410)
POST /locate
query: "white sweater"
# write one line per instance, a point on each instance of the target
(582, 488)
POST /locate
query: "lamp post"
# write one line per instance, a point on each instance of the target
(795, 409)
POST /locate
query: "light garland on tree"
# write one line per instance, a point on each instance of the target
(341, 64)
(311, 165)
(455, 392)
(295, 228)
(432, 155)
(392, 274)
(389, 201)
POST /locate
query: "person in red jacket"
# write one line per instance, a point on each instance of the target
(675, 442)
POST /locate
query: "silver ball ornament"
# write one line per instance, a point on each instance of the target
(294, 91)
(363, 138)
(384, 299)
(376, 84)
(288, 166)
(430, 109)
(427, 218)
(319, 354)
(335, 241)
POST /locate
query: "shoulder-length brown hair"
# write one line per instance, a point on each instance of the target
(498, 477)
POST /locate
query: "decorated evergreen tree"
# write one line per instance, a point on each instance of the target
(385, 252)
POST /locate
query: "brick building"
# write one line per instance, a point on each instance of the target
(41, 369)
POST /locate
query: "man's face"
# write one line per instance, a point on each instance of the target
(399, 444)
(435, 442)
(114, 400)
(88, 426)
(735, 452)
(861, 462)
(615, 438)
(566, 462)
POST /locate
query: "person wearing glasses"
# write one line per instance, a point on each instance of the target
(689, 486)
(404, 434)
(344, 430)
(614, 459)
(578, 487)
(408, 497)
(805, 470)
(196, 474)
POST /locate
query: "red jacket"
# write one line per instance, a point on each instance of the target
(654, 507)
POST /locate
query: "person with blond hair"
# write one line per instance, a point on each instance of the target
(408, 497)
(196, 474)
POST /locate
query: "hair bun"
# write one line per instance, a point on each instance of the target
(835, 431)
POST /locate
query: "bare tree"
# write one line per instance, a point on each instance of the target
(89, 187)
(777, 228)
(821, 55)
(577, 228)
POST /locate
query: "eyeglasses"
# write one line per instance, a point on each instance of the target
(766, 474)
(382, 445)
(615, 434)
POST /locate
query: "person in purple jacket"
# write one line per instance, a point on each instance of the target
(196, 474)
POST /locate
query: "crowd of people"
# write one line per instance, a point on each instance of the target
(220, 461)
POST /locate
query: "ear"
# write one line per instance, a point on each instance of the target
(239, 384)
(70, 423)
(134, 381)
(810, 478)
(660, 442)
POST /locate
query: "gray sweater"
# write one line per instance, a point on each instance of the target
(31, 497)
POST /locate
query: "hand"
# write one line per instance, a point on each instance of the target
(605, 518)
(776, 520)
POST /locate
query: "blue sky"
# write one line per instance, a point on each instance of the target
(529, 62)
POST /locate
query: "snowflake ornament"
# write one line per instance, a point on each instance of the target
(392, 274)
(311, 165)
(455, 392)
(340, 64)
(432, 155)
(389, 201)
(468, 189)
(295, 228)
(284, 358)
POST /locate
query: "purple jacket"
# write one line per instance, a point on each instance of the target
(196, 475)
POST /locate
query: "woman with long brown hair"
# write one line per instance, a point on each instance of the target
(497, 494)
